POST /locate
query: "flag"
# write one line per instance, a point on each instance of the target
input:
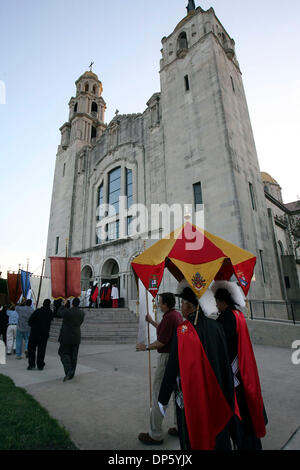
(65, 277)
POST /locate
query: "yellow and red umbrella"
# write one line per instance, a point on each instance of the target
(196, 255)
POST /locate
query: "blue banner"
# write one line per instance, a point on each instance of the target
(25, 283)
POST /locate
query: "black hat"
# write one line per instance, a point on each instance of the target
(189, 295)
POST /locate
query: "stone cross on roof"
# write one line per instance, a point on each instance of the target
(91, 66)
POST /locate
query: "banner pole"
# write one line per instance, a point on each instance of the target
(40, 286)
(17, 283)
(8, 297)
(26, 281)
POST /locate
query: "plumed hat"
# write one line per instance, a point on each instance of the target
(185, 292)
(188, 295)
(207, 302)
(234, 290)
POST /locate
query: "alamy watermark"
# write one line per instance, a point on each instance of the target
(296, 354)
(115, 222)
(2, 92)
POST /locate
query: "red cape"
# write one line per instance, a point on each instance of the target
(95, 294)
(249, 375)
(107, 294)
(206, 409)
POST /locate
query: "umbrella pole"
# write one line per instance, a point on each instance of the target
(138, 302)
(149, 353)
(248, 308)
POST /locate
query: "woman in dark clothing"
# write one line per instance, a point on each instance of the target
(243, 433)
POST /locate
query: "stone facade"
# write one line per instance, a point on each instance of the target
(196, 130)
(286, 244)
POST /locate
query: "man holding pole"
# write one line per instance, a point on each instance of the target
(165, 330)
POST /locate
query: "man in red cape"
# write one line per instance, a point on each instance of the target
(199, 370)
(246, 430)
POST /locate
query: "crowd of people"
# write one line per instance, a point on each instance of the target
(105, 297)
(24, 329)
(206, 365)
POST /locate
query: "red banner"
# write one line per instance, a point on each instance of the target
(14, 287)
(65, 277)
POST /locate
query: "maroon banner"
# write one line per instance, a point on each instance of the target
(14, 287)
(65, 277)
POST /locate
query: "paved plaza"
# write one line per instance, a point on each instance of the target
(106, 405)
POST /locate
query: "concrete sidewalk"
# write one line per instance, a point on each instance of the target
(106, 405)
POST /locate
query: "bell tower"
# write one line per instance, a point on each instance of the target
(84, 127)
(209, 145)
(86, 114)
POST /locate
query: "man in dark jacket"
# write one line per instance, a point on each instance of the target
(70, 337)
(40, 322)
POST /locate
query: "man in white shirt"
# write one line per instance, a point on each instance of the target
(115, 296)
(11, 330)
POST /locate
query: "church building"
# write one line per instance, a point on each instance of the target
(192, 145)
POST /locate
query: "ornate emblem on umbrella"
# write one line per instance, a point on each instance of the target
(198, 282)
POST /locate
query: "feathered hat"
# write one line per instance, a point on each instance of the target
(234, 290)
(185, 292)
(208, 302)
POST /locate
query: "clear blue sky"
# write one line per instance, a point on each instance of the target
(46, 45)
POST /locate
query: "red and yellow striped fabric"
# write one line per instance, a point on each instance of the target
(196, 255)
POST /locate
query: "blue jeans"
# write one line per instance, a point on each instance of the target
(21, 335)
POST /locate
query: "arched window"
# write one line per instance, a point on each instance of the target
(75, 107)
(94, 89)
(86, 88)
(94, 107)
(94, 132)
(182, 41)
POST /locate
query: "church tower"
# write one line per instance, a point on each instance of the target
(209, 145)
(80, 133)
(86, 115)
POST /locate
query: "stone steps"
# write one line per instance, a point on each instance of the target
(116, 326)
